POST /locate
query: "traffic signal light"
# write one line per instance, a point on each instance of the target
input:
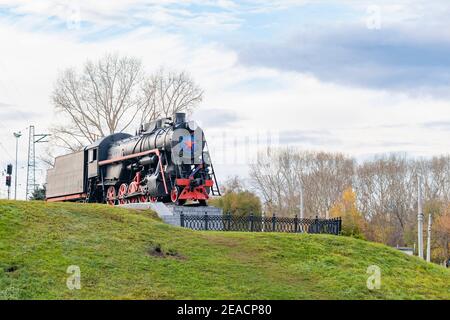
(8, 181)
(9, 169)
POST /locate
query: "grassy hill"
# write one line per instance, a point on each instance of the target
(128, 254)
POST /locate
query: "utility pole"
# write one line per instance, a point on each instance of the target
(429, 239)
(31, 181)
(419, 219)
(302, 210)
(262, 220)
(31, 167)
(17, 135)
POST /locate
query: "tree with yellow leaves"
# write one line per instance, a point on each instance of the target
(353, 223)
(442, 235)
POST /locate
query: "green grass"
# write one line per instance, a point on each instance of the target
(114, 249)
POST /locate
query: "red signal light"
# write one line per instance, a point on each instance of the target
(8, 181)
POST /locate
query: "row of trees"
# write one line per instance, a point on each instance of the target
(384, 188)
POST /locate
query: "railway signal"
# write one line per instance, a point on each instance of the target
(9, 169)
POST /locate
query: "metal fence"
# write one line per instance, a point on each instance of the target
(228, 222)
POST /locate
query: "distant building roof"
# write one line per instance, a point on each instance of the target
(406, 250)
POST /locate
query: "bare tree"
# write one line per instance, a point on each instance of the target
(112, 95)
(442, 235)
(233, 184)
(103, 99)
(326, 178)
(168, 92)
(267, 180)
(384, 187)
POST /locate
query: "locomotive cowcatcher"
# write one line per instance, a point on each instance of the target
(167, 160)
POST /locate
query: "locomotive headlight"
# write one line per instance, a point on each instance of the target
(192, 125)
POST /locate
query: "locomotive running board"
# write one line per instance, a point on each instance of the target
(67, 198)
(130, 156)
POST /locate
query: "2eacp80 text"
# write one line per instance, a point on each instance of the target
(247, 309)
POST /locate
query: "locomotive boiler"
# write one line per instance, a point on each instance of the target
(167, 160)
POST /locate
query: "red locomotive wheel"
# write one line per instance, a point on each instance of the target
(153, 199)
(122, 193)
(133, 187)
(142, 198)
(174, 195)
(111, 195)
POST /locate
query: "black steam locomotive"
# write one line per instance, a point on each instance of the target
(167, 160)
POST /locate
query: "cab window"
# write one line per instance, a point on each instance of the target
(92, 155)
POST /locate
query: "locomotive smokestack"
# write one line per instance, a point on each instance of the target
(180, 117)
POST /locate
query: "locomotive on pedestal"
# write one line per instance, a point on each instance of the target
(167, 160)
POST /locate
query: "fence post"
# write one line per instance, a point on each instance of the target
(332, 226)
(229, 221)
(182, 219)
(339, 225)
(316, 224)
(295, 224)
(273, 222)
(251, 221)
(206, 220)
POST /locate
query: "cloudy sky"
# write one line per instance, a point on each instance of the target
(357, 77)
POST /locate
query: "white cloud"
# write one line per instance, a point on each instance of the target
(358, 121)
(101, 15)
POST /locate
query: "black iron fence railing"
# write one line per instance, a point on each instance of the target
(228, 222)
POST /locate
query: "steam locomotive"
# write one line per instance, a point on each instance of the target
(167, 160)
